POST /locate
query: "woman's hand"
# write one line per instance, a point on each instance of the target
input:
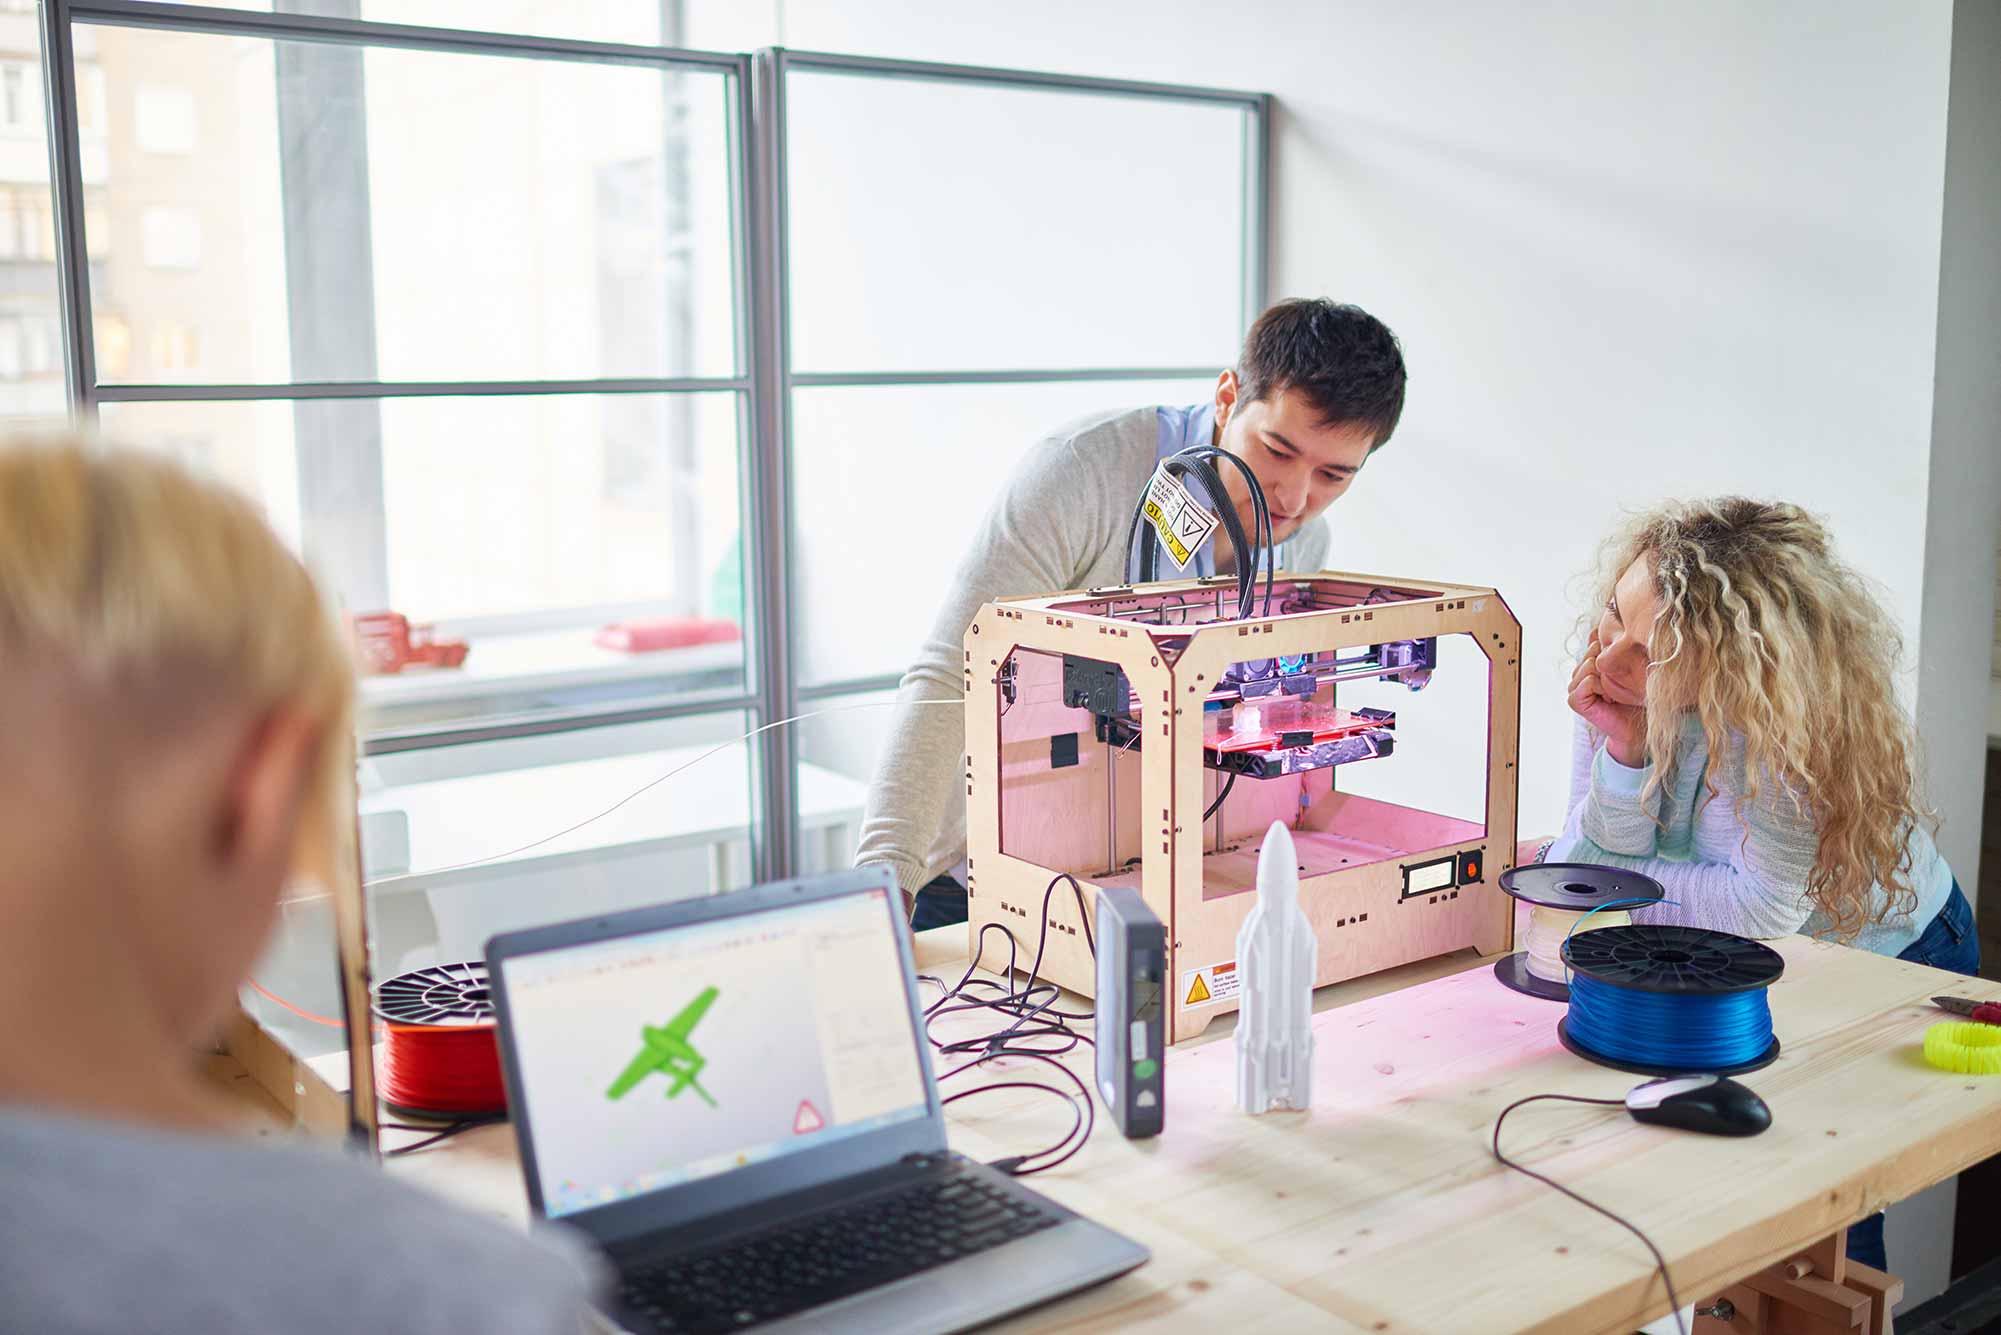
(1624, 726)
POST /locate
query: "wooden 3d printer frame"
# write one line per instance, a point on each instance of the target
(1053, 787)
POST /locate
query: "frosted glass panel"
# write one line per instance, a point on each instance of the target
(522, 526)
(952, 226)
(890, 482)
(263, 212)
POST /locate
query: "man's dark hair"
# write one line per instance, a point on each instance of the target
(1344, 361)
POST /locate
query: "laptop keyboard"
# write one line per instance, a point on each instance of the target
(830, 1256)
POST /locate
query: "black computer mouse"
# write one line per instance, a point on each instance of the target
(1706, 1103)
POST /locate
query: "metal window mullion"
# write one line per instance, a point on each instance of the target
(832, 63)
(380, 389)
(391, 741)
(770, 531)
(870, 685)
(66, 185)
(348, 31)
(1257, 211)
(848, 379)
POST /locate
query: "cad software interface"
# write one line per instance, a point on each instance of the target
(651, 1061)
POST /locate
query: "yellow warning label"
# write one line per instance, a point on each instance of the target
(1206, 987)
(1176, 548)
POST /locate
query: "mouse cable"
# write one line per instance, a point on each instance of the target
(1035, 1030)
(1660, 1262)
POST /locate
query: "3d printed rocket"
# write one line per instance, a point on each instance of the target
(1276, 955)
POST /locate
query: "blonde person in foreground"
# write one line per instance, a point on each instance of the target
(174, 704)
(1739, 740)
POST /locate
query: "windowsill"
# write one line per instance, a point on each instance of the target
(541, 661)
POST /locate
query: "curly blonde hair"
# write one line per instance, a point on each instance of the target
(1768, 638)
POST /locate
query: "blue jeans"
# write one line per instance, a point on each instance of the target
(1949, 943)
(940, 903)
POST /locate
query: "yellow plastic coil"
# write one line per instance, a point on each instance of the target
(1959, 1045)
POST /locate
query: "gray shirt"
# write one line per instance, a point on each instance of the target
(109, 1228)
(1060, 523)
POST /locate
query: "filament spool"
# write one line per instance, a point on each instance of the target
(1670, 1000)
(439, 1058)
(1561, 895)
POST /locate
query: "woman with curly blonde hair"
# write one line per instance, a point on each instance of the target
(1740, 741)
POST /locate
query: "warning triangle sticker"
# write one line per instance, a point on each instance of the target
(807, 1119)
(1199, 992)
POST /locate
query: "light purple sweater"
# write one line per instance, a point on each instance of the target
(1744, 875)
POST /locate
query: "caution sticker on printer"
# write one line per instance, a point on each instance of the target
(1205, 987)
(1182, 522)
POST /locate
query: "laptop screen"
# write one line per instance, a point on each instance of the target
(652, 1060)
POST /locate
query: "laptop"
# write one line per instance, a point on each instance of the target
(732, 1096)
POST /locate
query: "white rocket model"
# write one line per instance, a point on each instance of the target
(1276, 952)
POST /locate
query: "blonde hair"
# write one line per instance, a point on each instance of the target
(129, 571)
(1765, 636)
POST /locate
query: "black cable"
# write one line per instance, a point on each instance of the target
(438, 1135)
(1660, 1262)
(1196, 459)
(1222, 793)
(1036, 1031)
(1263, 535)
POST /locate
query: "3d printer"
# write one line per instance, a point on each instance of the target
(1148, 735)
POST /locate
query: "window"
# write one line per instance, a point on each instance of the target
(170, 238)
(14, 112)
(561, 495)
(472, 322)
(164, 119)
(114, 346)
(176, 348)
(936, 333)
(90, 110)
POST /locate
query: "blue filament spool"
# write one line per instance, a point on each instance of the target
(1668, 1000)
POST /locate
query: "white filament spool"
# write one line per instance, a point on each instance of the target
(1548, 928)
(1562, 897)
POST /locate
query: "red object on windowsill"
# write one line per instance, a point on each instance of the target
(644, 637)
(388, 643)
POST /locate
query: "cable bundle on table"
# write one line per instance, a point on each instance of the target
(1035, 1031)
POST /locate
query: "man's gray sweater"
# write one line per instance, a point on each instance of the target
(1060, 523)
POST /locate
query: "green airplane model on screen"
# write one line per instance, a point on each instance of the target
(667, 1050)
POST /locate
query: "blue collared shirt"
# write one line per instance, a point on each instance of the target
(1181, 428)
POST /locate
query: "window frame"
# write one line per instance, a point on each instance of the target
(763, 380)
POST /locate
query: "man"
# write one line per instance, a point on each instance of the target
(1316, 391)
(174, 705)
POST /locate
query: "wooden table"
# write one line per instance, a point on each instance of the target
(1382, 1209)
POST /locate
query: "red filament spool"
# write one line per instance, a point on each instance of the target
(439, 1058)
